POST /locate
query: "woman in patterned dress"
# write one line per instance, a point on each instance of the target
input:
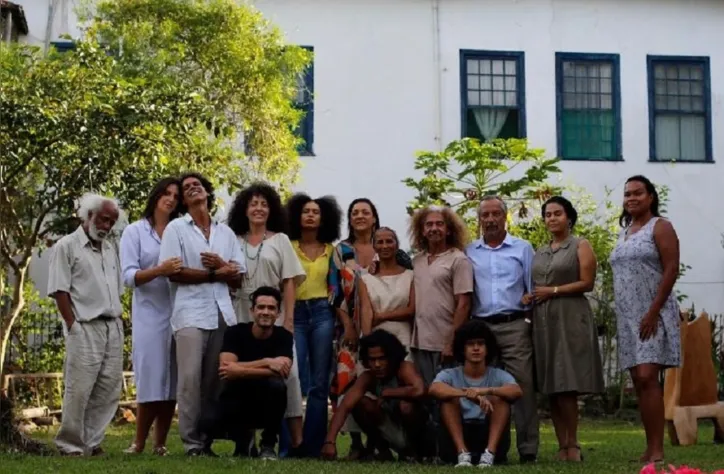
(354, 257)
(645, 267)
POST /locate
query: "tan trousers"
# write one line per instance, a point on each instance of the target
(197, 360)
(516, 348)
(93, 376)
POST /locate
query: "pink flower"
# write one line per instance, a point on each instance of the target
(648, 469)
(684, 470)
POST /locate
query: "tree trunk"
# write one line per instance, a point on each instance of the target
(10, 435)
(7, 320)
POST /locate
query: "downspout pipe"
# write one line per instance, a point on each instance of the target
(437, 73)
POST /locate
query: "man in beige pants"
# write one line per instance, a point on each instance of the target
(212, 263)
(85, 280)
(502, 273)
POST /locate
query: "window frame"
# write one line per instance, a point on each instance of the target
(63, 46)
(704, 61)
(519, 57)
(307, 149)
(615, 60)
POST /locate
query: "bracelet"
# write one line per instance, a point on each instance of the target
(329, 442)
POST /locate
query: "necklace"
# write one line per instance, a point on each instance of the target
(258, 252)
(249, 276)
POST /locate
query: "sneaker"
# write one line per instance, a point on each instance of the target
(267, 454)
(464, 460)
(487, 459)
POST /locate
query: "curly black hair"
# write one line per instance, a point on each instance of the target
(211, 197)
(568, 208)
(393, 349)
(350, 230)
(330, 217)
(159, 189)
(475, 329)
(239, 222)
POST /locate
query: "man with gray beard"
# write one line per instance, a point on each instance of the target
(85, 280)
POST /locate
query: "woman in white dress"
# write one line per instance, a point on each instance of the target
(259, 220)
(387, 297)
(153, 358)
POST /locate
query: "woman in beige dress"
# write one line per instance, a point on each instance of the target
(387, 297)
(565, 342)
(259, 221)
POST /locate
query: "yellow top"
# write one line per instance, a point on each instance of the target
(315, 285)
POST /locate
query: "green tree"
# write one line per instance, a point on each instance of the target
(172, 85)
(468, 169)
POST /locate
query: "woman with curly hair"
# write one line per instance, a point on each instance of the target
(313, 228)
(443, 278)
(354, 257)
(258, 219)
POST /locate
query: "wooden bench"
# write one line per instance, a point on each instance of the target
(690, 391)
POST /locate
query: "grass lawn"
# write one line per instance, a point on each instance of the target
(608, 448)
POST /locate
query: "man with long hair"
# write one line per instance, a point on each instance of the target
(475, 399)
(385, 400)
(212, 261)
(85, 280)
(443, 280)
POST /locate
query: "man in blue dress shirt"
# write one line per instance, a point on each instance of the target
(502, 272)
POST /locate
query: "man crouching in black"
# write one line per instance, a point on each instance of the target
(385, 400)
(255, 360)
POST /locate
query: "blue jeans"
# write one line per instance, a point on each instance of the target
(314, 337)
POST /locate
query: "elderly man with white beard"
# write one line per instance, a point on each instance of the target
(85, 280)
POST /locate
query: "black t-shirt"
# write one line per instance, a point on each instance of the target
(239, 340)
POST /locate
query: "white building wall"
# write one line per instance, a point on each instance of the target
(376, 95)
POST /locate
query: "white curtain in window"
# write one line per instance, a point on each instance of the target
(490, 121)
(680, 137)
(693, 138)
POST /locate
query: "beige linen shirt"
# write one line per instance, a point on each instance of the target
(90, 276)
(436, 286)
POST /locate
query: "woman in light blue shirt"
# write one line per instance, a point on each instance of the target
(154, 366)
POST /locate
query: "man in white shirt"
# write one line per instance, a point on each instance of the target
(212, 264)
(85, 280)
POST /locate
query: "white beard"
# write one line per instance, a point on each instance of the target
(96, 234)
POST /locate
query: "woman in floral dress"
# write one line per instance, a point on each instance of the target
(645, 267)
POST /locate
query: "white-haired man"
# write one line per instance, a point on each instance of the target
(85, 280)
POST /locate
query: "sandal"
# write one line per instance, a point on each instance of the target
(160, 451)
(132, 449)
(564, 457)
(580, 453)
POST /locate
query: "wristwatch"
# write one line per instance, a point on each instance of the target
(212, 275)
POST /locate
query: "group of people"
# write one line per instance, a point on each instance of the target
(237, 322)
